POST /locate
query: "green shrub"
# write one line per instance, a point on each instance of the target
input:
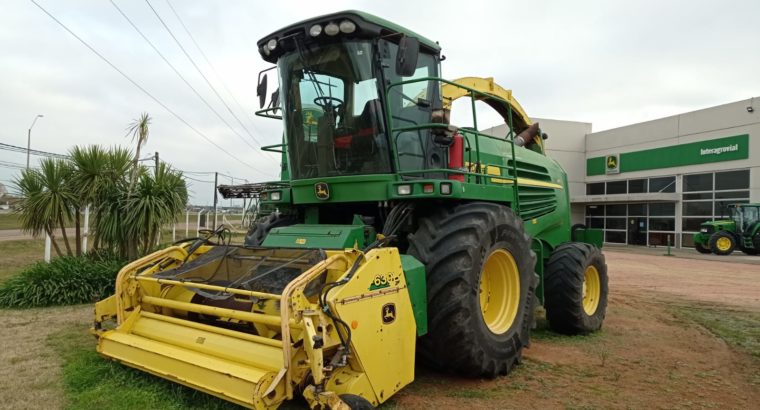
(64, 281)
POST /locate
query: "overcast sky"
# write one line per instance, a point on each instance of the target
(604, 62)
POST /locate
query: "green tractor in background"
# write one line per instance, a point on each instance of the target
(723, 236)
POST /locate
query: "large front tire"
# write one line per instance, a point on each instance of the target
(701, 249)
(576, 287)
(481, 288)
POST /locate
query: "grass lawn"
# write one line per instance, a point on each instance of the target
(15, 255)
(9, 221)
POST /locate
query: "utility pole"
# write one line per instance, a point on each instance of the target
(216, 183)
(156, 158)
(29, 139)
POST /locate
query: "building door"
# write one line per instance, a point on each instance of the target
(637, 231)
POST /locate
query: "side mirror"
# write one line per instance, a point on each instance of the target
(274, 101)
(261, 91)
(408, 53)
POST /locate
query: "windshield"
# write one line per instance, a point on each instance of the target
(744, 216)
(332, 111)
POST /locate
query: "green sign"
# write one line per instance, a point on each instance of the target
(694, 153)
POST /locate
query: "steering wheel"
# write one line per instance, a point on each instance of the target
(328, 103)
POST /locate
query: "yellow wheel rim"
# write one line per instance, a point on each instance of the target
(592, 290)
(723, 243)
(499, 291)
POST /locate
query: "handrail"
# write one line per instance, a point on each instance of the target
(271, 148)
(509, 138)
(269, 113)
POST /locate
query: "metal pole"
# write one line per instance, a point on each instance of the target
(187, 221)
(86, 227)
(48, 244)
(29, 139)
(199, 221)
(28, 146)
(216, 183)
(156, 158)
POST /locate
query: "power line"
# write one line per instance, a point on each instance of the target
(200, 71)
(213, 69)
(180, 75)
(143, 89)
(14, 148)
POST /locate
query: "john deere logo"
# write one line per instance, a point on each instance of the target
(613, 164)
(389, 313)
(322, 190)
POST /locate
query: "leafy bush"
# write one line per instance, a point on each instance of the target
(64, 281)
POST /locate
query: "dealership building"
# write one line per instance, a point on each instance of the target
(656, 181)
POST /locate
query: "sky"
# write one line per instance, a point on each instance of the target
(610, 63)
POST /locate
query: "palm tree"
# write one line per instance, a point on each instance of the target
(139, 131)
(157, 200)
(47, 200)
(98, 171)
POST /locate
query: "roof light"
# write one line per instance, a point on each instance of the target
(446, 188)
(272, 44)
(347, 26)
(404, 189)
(332, 29)
(265, 50)
(315, 30)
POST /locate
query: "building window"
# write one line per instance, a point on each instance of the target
(616, 187)
(662, 184)
(662, 209)
(662, 224)
(615, 210)
(661, 238)
(595, 210)
(691, 224)
(732, 180)
(698, 208)
(698, 182)
(596, 188)
(614, 236)
(637, 209)
(637, 186)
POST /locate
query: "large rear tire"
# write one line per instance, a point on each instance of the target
(481, 288)
(722, 243)
(576, 287)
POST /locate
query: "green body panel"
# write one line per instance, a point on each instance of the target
(317, 237)
(700, 152)
(414, 273)
(592, 236)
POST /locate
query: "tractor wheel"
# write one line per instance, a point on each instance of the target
(356, 402)
(481, 288)
(722, 243)
(259, 230)
(575, 285)
(701, 249)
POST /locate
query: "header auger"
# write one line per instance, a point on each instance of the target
(392, 235)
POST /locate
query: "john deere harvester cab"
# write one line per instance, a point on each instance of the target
(392, 235)
(741, 229)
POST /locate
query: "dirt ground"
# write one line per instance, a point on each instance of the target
(646, 356)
